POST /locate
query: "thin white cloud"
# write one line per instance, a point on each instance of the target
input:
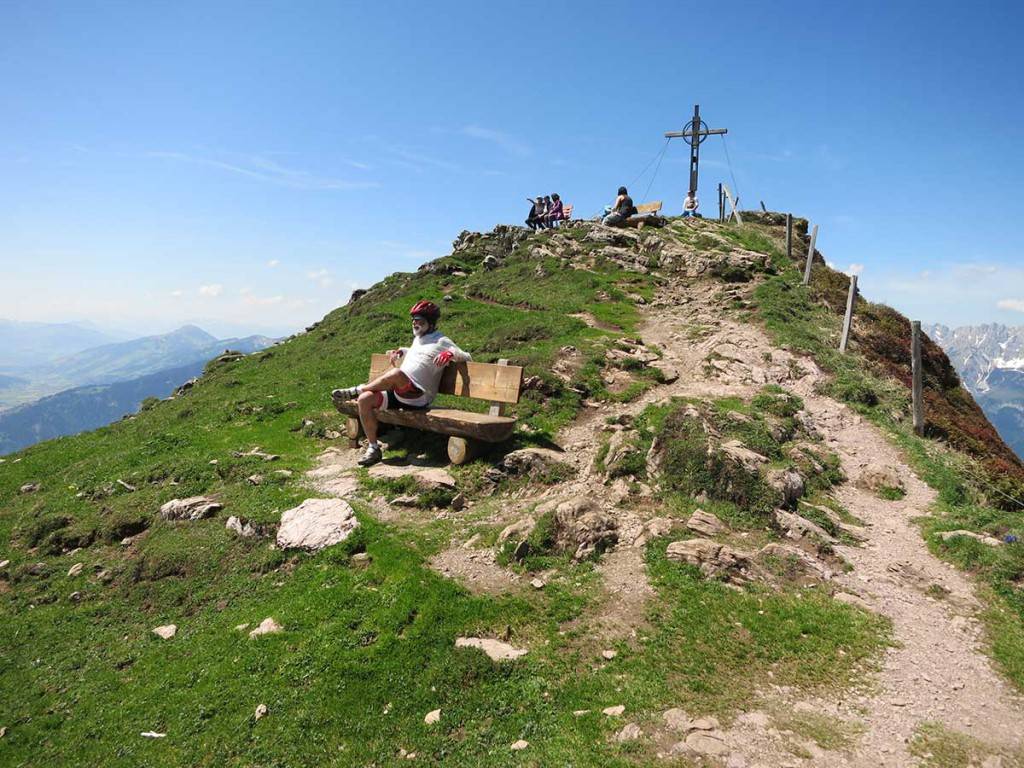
(1016, 305)
(854, 269)
(263, 301)
(505, 141)
(321, 277)
(418, 161)
(266, 170)
(273, 263)
(213, 290)
(177, 293)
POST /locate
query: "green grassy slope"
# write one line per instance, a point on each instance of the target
(366, 653)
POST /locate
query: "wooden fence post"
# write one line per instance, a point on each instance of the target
(721, 205)
(848, 319)
(732, 204)
(789, 235)
(917, 389)
(810, 256)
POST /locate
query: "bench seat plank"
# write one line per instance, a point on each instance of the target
(445, 421)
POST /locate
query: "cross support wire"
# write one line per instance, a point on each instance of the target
(694, 133)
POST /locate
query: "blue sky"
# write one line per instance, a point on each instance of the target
(245, 165)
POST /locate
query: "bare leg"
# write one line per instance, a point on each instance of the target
(370, 397)
(367, 416)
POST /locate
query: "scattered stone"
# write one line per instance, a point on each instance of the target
(471, 541)
(615, 711)
(254, 479)
(242, 627)
(705, 523)
(315, 524)
(405, 501)
(584, 529)
(526, 462)
(214, 461)
(261, 711)
(704, 724)
(676, 720)
(748, 458)
(245, 530)
(490, 262)
(4, 563)
(519, 745)
(580, 712)
(126, 486)
(432, 717)
(105, 576)
(713, 559)
(167, 631)
(193, 508)
(875, 477)
(3, 730)
(704, 743)
(988, 541)
(283, 472)
(361, 560)
(495, 649)
(75, 597)
(257, 453)
(519, 529)
(267, 627)
(458, 502)
(669, 374)
(630, 732)
(609, 654)
(29, 488)
(799, 567)
(76, 569)
(537, 583)
(809, 536)
(152, 735)
(789, 483)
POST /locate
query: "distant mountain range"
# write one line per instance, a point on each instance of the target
(26, 344)
(92, 387)
(990, 361)
(120, 361)
(83, 408)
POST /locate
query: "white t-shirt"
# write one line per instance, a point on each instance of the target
(418, 364)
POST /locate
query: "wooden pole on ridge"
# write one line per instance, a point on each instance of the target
(848, 319)
(917, 387)
(810, 256)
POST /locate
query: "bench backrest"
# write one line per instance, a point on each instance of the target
(567, 212)
(499, 383)
(649, 207)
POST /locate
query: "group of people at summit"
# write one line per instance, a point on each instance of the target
(547, 210)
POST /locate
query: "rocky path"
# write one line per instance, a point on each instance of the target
(938, 671)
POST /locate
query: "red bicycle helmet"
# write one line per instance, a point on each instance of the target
(427, 309)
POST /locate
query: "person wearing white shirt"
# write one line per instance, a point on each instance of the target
(412, 382)
(690, 204)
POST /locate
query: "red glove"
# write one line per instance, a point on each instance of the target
(443, 358)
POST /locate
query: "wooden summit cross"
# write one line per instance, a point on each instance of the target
(694, 133)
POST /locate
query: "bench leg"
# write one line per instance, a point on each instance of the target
(354, 430)
(461, 450)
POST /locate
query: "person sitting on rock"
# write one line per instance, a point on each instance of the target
(535, 219)
(555, 212)
(412, 382)
(690, 204)
(621, 210)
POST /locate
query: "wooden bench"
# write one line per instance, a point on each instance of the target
(645, 214)
(499, 384)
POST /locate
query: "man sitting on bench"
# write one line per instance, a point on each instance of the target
(412, 383)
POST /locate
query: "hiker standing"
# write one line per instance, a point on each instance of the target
(413, 381)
